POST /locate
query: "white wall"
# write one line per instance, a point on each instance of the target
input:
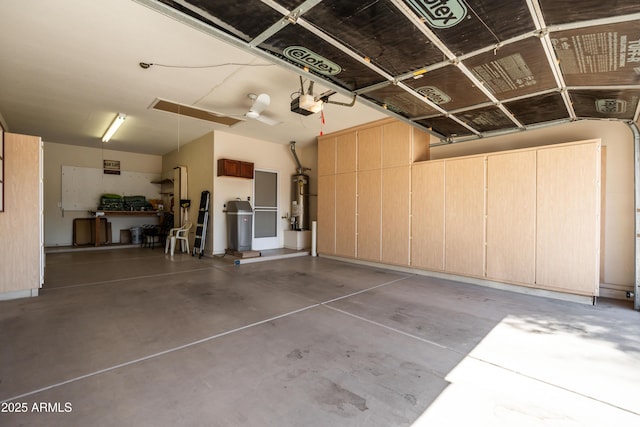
(617, 237)
(58, 224)
(266, 156)
(197, 156)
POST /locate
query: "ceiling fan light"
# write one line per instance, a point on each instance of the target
(113, 127)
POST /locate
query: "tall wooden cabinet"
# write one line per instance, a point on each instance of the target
(395, 215)
(346, 214)
(21, 223)
(346, 193)
(327, 195)
(511, 217)
(366, 216)
(568, 218)
(528, 217)
(369, 238)
(326, 239)
(464, 216)
(397, 144)
(427, 215)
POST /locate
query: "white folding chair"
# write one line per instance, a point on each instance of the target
(182, 234)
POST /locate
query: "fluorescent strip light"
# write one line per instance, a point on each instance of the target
(115, 124)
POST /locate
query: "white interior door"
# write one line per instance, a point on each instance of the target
(265, 211)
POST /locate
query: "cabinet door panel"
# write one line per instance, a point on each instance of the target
(396, 185)
(396, 145)
(511, 217)
(427, 215)
(370, 148)
(346, 152)
(326, 155)
(346, 214)
(227, 167)
(327, 214)
(464, 216)
(369, 213)
(246, 170)
(568, 239)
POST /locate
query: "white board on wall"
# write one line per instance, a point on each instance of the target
(83, 187)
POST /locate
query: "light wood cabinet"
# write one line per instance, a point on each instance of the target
(327, 214)
(427, 215)
(511, 217)
(370, 148)
(395, 215)
(420, 146)
(568, 218)
(396, 144)
(369, 220)
(369, 214)
(346, 152)
(352, 214)
(21, 223)
(464, 216)
(326, 155)
(345, 209)
(528, 217)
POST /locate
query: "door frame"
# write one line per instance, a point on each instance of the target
(263, 243)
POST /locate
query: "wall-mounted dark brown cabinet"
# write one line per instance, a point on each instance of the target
(237, 168)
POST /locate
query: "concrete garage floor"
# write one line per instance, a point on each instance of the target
(132, 337)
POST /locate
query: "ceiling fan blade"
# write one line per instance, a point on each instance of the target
(197, 113)
(261, 103)
(267, 120)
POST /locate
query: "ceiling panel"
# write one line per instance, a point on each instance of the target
(376, 30)
(400, 101)
(445, 127)
(306, 50)
(487, 119)
(466, 26)
(448, 87)
(547, 107)
(514, 70)
(244, 20)
(567, 11)
(605, 103)
(601, 55)
(494, 65)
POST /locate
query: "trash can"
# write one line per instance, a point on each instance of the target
(136, 235)
(239, 225)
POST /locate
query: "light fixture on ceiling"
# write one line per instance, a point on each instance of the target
(113, 127)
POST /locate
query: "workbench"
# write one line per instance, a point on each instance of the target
(100, 214)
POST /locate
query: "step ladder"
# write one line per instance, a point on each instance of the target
(201, 229)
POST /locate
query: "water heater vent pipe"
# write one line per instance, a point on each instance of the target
(300, 169)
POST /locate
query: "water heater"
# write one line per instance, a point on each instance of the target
(299, 195)
(300, 202)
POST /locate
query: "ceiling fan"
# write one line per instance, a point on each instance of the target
(260, 103)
